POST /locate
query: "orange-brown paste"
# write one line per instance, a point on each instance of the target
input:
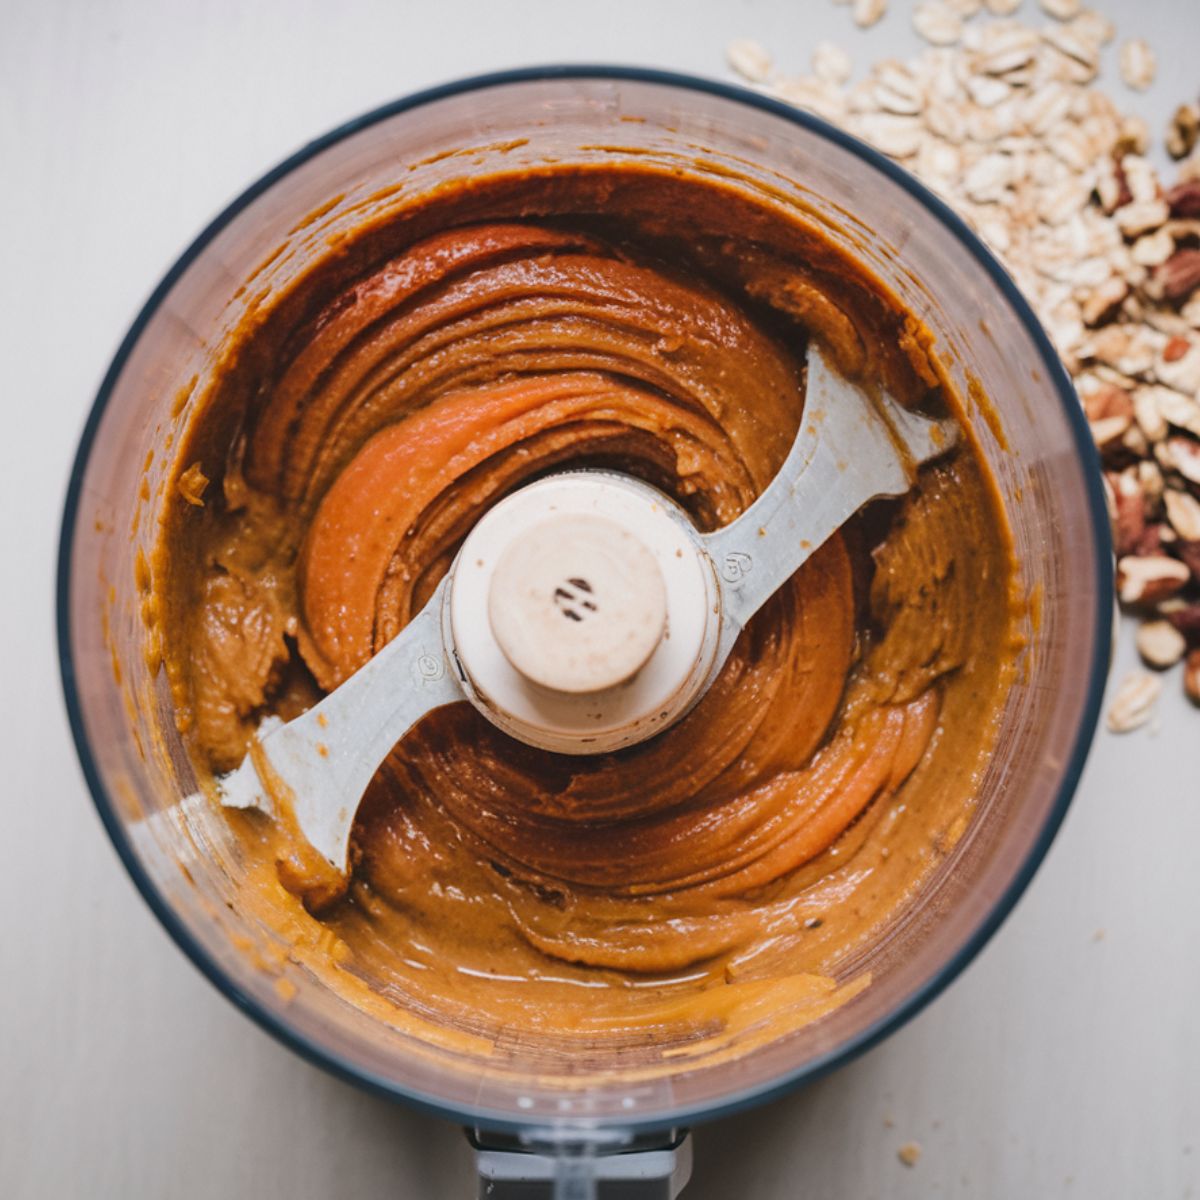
(619, 317)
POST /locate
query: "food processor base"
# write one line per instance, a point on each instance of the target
(544, 1165)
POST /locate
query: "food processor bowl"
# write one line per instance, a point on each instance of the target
(1020, 401)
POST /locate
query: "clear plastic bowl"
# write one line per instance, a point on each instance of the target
(1036, 443)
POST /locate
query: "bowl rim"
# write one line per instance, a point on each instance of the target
(482, 1116)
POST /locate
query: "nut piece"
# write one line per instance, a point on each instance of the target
(1153, 249)
(1148, 414)
(1160, 644)
(1178, 277)
(1183, 512)
(749, 60)
(1183, 131)
(1133, 703)
(1102, 302)
(1141, 217)
(1184, 616)
(1177, 409)
(1180, 454)
(1191, 677)
(1189, 553)
(1137, 64)
(1184, 199)
(1128, 510)
(868, 12)
(909, 1153)
(1002, 120)
(1147, 579)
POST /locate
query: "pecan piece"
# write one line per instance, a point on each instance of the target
(1178, 277)
(1184, 616)
(1128, 511)
(1148, 578)
(1184, 199)
(1191, 677)
(1160, 644)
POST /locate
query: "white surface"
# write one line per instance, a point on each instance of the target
(1059, 1065)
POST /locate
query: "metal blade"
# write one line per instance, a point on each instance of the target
(850, 448)
(321, 762)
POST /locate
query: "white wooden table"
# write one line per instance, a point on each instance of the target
(1065, 1062)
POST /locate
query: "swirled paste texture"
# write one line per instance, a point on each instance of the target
(654, 324)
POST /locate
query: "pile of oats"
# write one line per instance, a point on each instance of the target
(1000, 117)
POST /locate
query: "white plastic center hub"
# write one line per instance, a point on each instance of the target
(577, 603)
(583, 613)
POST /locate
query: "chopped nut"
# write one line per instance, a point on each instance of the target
(1183, 131)
(1105, 400)
(1001, 120)
(1133, 703)
(1147, 579)
(1183, 615)
(1175, 349)
(1182, 373)
(1191, 677)
(1127, 508)
(1183, 512)
(1137, 64)
(909, 1153)
(1108, 432)
(868, 12)
(1111, 189)
(1181, 454)
(749, 60)
(1178, 410)
(1102, 302)
(1150, 544)
(1141, 216)
(1189, 555)
(1184, 199)
(1134, 440)
(1134, 137)
(1160, 644)
(1151, 478)
(1148, 414)
(1178, 277)
(191, 484)
(1153, 249)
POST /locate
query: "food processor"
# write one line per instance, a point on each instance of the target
(603, 1129)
